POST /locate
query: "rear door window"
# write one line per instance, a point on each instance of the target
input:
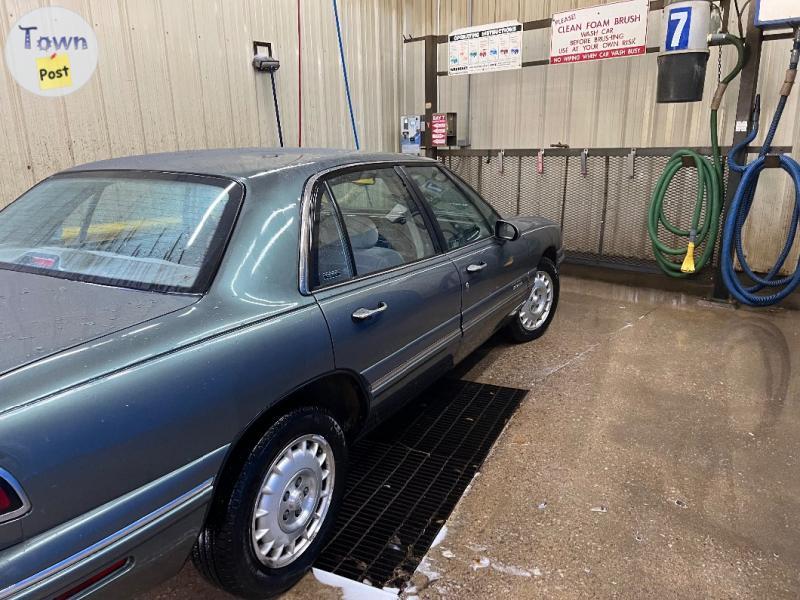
(329, 246)
(384, 225)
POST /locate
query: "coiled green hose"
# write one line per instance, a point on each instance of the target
(708, 201)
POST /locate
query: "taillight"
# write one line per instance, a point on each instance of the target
(5, 501)
(13, 502)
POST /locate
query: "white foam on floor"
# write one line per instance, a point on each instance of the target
(439, 537)
(353, 590)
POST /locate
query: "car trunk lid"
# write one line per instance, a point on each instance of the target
(42, 315)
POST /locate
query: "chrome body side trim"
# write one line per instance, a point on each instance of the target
(115, 537)
(488, 311)
(414, 362)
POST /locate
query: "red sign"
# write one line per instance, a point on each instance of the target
(439, 129)
(598, 55)
(613, 30)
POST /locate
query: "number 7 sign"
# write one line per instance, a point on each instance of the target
(678, 26)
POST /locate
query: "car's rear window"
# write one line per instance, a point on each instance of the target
(151, 231)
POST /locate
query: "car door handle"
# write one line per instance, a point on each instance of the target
(477, 267)
(362, 314)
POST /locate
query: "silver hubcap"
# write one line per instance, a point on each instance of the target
(293, 501)
(537, 307)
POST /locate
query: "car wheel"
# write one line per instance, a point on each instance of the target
(536, 314)
(272, 523)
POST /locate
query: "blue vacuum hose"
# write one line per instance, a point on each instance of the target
(771, 288)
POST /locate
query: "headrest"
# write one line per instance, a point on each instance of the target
(362, 231)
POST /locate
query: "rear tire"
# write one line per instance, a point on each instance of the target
(264, 533)
(535, 316)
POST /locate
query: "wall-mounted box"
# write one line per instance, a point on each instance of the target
(411, 129)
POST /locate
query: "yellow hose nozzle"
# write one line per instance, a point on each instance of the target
(688, 262)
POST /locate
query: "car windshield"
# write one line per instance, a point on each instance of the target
(151, 231)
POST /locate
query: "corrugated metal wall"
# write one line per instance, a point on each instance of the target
(601, 104)
(176, 74)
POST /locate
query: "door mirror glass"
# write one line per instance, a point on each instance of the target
(503, 230)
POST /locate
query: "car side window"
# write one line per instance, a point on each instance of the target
(329, 249)
(384, 225)
(460, 220)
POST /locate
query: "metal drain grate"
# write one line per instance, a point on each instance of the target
(407, 476)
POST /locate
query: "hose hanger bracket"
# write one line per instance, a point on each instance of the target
(700, 238)
(772, 287)
(632, 164)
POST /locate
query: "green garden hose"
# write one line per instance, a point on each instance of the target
(708, 202)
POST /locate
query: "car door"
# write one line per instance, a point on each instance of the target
(493, 279)
(390, 296)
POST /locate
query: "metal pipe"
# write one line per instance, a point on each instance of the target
(299, 81)
(277, 111)
(344, 73)
(469, 87)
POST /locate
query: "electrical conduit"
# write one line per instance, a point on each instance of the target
(299, 80)
(708, 202)
(743, 201)
(344, 73)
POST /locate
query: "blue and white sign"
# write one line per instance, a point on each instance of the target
(679, 24)
(485, 48)
(686, 26)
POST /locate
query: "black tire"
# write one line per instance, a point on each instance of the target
(224, 552)
(515, 331)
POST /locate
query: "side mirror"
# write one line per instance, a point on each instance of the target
(503, 230)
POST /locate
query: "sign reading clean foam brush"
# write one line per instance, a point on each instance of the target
(486, 48)
(609, 31)
(51, 51)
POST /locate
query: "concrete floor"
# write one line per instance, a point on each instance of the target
(656, 455)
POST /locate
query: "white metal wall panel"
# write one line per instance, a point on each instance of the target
(176, 75)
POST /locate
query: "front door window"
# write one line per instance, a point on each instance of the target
(459, 218)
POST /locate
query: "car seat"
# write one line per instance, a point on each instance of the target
(363, 239)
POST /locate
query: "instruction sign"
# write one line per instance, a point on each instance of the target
(609, 31)
(439, 129)
(485, 48)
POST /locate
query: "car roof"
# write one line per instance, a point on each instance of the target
(241, 163)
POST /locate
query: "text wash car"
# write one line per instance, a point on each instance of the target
(191, 341)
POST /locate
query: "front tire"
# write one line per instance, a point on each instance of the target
(533, 319)
(274, 520)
